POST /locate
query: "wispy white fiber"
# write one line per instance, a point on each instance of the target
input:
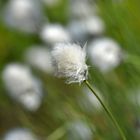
(69, 61)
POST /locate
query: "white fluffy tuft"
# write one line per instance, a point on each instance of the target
(69, 62)
(22, 86)
(105, 54)
(54, 33)
(39, 57)
(23, 15)
(20, 134)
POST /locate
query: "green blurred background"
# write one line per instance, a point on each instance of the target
(60, 103)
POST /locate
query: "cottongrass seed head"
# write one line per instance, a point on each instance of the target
(79, 130)
(22, 86)
(20, 134)
(105, 53)
(23, 15)
(69, 62)
(39, 57)
(54, 33)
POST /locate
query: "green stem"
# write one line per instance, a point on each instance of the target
(57, 134)
(107, 111)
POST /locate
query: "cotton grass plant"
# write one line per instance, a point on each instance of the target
(20, 133)
(70, 62)
(21, 26)
(22, 86)
(23, 15)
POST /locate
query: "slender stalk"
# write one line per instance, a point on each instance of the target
(57, 134)
(107, 111)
